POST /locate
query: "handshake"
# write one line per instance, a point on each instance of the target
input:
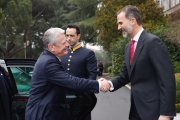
(104, 85)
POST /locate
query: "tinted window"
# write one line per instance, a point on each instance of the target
(22, 76)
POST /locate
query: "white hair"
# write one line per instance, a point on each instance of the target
(50, 36)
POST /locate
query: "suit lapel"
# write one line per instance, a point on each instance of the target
(127, 58)
(138, 50)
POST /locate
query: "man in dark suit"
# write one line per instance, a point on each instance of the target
(47, 100)
(5, 96)
(148, 67)
(80, 62)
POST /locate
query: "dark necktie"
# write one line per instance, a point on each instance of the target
(131, 51)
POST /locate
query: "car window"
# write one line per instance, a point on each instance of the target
(22, 76)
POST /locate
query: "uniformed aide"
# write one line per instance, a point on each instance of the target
(80, 62)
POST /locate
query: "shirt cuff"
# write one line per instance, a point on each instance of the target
(99, 86)
(112, 87)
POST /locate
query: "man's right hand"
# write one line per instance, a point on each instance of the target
(105, 86)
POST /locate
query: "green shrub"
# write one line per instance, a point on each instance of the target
(117, 49)
(178, 108)
(177, 67)
(110, 69)
(177, 92)
(106, 67)
(177, 96)
(116, 63)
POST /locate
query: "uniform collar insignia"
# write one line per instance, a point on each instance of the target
(77, 46)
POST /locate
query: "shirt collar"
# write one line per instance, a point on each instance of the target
(136, 37)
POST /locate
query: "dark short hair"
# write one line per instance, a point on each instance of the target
(75, 27)
(131, 11)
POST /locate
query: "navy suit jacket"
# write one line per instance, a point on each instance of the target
(151, 76)
(48, 87)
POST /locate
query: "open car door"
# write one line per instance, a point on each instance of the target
(20, 72)
(19, 77)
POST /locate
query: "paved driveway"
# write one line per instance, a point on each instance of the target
(112, 105)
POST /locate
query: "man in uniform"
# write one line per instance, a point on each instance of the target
(80, 62)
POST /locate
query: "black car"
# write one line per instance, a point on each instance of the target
(15, 76)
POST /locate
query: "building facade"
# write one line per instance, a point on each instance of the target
(171, 7)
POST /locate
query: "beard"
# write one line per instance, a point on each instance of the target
(127, 31)
(124, 34)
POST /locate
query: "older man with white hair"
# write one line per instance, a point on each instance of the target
(47, 100)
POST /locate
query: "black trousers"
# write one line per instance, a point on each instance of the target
(82, 106)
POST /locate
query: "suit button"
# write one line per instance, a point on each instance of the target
(69, 60)
(68, 69)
